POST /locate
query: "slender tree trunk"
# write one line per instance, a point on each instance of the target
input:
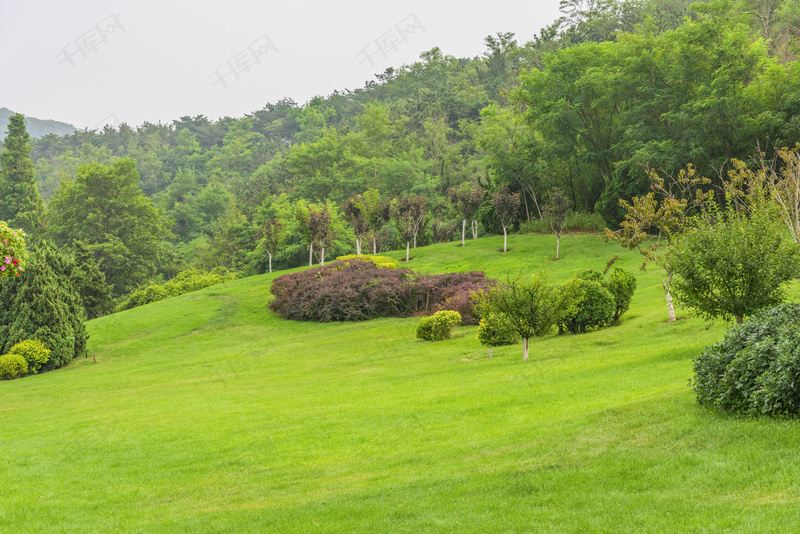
(670, 308)
(374, 243)
(739, 319)
(408, 246)
(358, 246)
(415, 240)
(558, 246)
(474, 229)
(525, 349)
(270, 261)
(490, 352)
(311, 255)
(463, 231)
(323, 256)
(505, 240)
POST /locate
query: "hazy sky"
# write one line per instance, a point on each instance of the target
(92, 62)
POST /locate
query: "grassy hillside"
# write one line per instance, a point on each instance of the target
(207, 413)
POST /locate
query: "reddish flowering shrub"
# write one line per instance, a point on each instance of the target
(360, 290)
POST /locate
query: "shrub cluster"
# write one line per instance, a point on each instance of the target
(25, 358)
(755, 369)
(184, 282)
(598, 301)
(438, 326)
(360, 290)
(381, 261)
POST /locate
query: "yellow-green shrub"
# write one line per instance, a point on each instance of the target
(438, 326)
(34, 352)
(12, 366)
(381, 261)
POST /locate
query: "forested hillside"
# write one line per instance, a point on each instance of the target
(37, 127)
(609, 91)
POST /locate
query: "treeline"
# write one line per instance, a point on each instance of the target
(610, 90)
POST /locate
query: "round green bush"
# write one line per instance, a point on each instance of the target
(621, 284)
(494, 330)
(438, 326)
(755, 369)
(592, 307)
(34, 352)
(12, 366)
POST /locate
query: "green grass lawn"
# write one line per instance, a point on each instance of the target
(208, 413)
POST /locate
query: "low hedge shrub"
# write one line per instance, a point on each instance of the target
(34, 352)
(12, 366)
(360, 290)
(184, 282)
(439, 326)
(755, 369)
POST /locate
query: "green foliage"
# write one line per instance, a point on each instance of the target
(105, 209)
(755, 369)
(731, 263)
(45, 305)
(495, 330)
(184, 282)
(21, 205)
(381, 261)
(12, 366)
(35, 353)
(13, 251)
(621, 284)
(575, 222)
(90, 283)
(592, 306)
(439, 326)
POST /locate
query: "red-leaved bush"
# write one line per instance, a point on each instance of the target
(360, 290)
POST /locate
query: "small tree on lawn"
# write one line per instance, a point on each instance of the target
(506, 207)
(354, 213)
(467, 199)
(532, 307)
(319, 222)
(556, 212)
(376, 213)
(272, 234)
(410, 215)
(667, 215)
(733, 263)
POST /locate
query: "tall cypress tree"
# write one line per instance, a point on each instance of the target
(21, 205)
(44, 304)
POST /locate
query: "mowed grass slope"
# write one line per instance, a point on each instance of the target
(208, 413)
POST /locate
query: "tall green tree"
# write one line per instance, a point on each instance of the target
(21, 205)
(105, 209)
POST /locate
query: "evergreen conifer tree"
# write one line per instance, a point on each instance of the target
(21, 205)
(45, 305)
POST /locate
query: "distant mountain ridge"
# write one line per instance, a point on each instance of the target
(36, 127)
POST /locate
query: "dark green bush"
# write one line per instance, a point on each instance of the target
(12, 366)
(438, 326)
(755, 369)
(35, 353)
(592, 306)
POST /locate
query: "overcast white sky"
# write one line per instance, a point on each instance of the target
(91, 62)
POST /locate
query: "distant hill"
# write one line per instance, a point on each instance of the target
(36, 127)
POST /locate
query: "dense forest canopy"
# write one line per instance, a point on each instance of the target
(610, 90)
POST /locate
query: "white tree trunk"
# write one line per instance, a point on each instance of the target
(525, 349)
(415, 240)
(374, 244)
(505, 240)
(668, 294)
(474, 229)
(270, 261)
(311, 255)
(463, 231)
(358, 246)
(490, 352)
(323, 256)
(408, 245)
(558, 245)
